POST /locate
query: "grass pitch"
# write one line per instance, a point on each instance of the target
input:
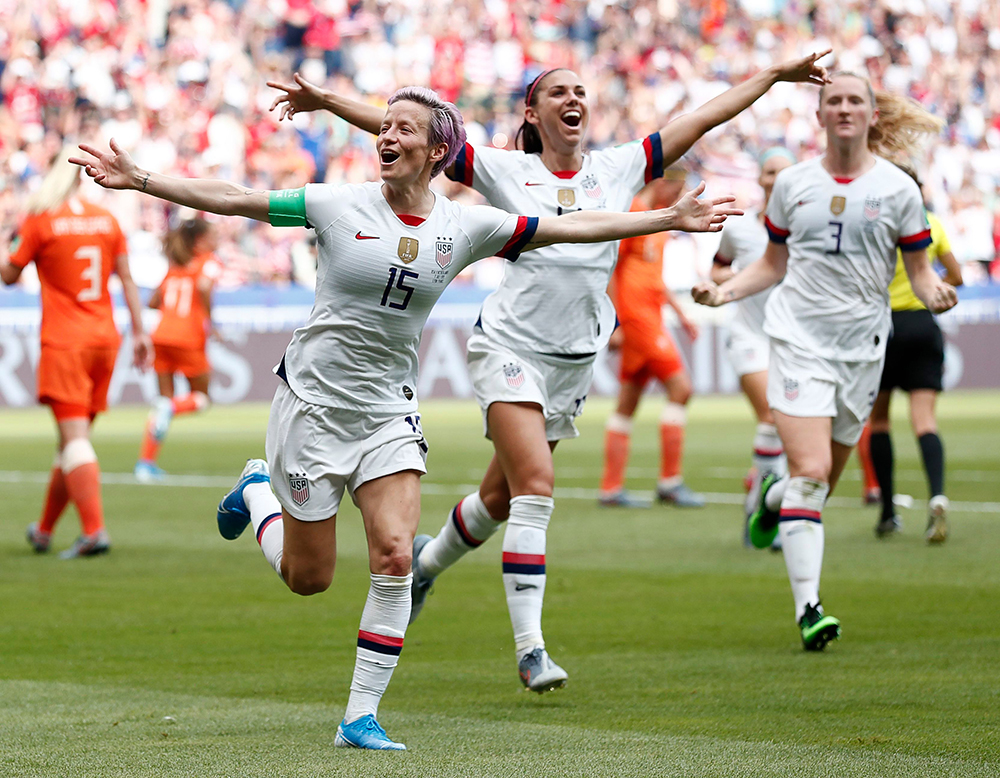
(180, 654)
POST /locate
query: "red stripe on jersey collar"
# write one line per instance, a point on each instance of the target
(564, 173)
(409, 220)
(842, 180)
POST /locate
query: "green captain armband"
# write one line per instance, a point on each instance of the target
(287, 208)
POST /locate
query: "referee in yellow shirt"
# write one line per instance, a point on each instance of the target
(914, 360)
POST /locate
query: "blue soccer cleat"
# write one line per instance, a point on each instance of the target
(147, 472)
(622, 499)
(365, 733)
(422, 584)
(233, 515)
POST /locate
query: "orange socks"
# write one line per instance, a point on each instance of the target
(672, 422)
(616, 444)
(56, 500)
(82, 476)
(865, 458)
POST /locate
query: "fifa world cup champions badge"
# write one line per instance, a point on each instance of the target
(408, 248)
(566, 197)
(837, 205)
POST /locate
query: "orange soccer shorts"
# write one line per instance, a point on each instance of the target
(189, 362)
(647, 352)
(74, 381)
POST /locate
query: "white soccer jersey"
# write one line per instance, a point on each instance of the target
(377, 279)
(842, 236)
(552, 302)
(744, 241)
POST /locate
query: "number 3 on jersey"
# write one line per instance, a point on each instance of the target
(91, 273)
(398, 277)
(836, 230)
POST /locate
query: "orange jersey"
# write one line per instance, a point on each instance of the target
(75, 248)
(186, 320)
(637, 289)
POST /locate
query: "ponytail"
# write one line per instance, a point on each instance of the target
(901, 125)
(178, 243)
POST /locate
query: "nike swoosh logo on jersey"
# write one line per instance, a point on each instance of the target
(802, 202)
(533, 183)
(359, 236)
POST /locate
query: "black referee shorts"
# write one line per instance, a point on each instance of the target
(914, 357)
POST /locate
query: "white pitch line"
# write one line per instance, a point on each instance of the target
(457, 490)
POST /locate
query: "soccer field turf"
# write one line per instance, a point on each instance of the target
(181, 654)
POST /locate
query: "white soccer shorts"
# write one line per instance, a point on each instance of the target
(315, 452)
(501, 375)
(748, 351)
(802, 384)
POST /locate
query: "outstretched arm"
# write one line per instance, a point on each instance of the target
(689, 214)
(936, 294)
(303, 97)
(755, 277)
(117, 170)
(682, 133)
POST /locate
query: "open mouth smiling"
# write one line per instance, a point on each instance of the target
(388, 157)
(572, 118)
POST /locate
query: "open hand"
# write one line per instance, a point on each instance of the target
(707, 293)
(694, 215)
(805, 69)
(116, 170)
(300, 97)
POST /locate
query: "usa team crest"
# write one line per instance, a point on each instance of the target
(791, 389)
(442, 252)
(514, 375)
(299, 486)
(592, 188)
(872, 207)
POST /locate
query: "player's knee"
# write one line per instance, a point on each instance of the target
(816, 469)
(679, 389)
(306, 581)
(395, 560)
(539, 481)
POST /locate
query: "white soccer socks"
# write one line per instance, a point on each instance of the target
(524, 568)
(768, 452)
(801, 531)
(265, 516)
(380, 641)
(469, 526)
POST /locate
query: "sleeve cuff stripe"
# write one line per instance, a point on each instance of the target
(523, 233)
(654, 156)
(776, 234)
(919, 241)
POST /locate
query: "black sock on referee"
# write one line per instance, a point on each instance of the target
(933, 453)
(881, 452)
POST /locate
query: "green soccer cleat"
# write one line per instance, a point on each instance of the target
(817, 628)
(763, 524)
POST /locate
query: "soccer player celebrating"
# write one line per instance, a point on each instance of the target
(834, 223)
(345, 414)
(648, 351)
(75, 246)
(185, 300)
(914, 362)
(532, 350)
(743, 241)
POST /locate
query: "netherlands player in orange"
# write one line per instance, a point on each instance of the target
(648, 351)
(185, 300)
(75, 246)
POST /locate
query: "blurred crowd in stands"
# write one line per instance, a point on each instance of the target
(181, 85)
